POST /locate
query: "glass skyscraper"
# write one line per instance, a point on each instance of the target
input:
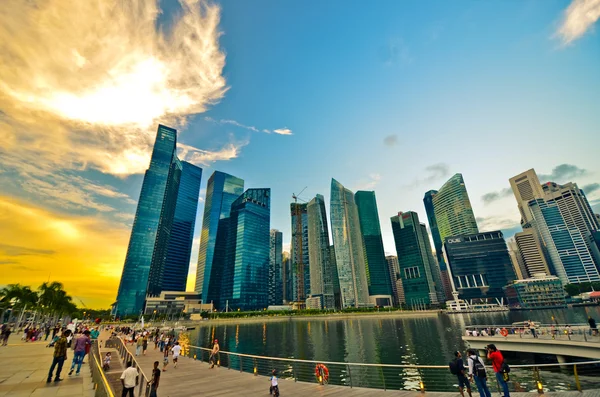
(221, 191)
(349, 248)
(245, 278)
(322, 275)
(452, 209)
(275, 268)
(418, 269)
(177, 262)
(298, 212)
(437, 242)
(378, 275)
(142, 243)
(480, 265)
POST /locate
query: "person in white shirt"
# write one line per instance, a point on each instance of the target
(477, 373)
(129, 380)
(175, 350)
(474, 332)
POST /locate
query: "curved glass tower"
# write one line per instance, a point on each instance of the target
(452, 209)
(349, 248)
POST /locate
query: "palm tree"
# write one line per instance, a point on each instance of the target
(54, 300)
(19, 297)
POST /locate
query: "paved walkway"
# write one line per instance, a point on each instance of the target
(24, 370)
(194, 378)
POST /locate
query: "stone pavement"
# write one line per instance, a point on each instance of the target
(24, 370)
(194, 378)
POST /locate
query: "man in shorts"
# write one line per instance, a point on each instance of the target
(176, 349)
(463, 381)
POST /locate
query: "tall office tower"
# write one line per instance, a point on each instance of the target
(418, 267)
(378, 275)
(142, 244)
(526, 186)
(321, 270)
(394, 270)
(285, 278)
(246, 272)
(480, 265)
(516, 260)
(437, 243)
(531, 254)
(349, 247)
(594, 240)
(565, 246)
(221, 191)
(452, 209)
(275, 268)
(337, 292)
(177, 262)
(300, 259)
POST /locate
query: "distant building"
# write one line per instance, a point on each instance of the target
(531, 254)
(452, 209)
(437, 242)
(515, 258)
(322, 274)
(175, 304)
(314, 302)
(286, 270)
(538, 292)
(337, 292)
(479, 264)
(526, 186)
(221, 191)
(394, 270)
(159, 242)
(378, 276)
(417, 265)
(594, 242)
(275, 268)
(299, 256)
(245, 278)
(349, 247)
(177, 262)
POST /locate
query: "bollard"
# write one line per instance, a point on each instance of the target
(422, 387)
(577, 383)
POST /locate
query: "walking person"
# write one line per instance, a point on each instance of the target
(59, 357)
(593, 326)
(477, 373)
(498, 364)
(214, 354)
(155, 380)
(457, 367)
(81, 344)
(139, 345)
(129, 379)
(532, 328)
(47, 332)
(144, 344)
(176, 349)
(165, 359)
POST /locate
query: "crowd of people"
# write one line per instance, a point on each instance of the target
(476, 371)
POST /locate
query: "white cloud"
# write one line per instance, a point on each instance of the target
(280, 131)
(578, 18)
(283, 131)
(206, 157)
(369, 184)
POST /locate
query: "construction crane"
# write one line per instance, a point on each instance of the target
(299, 254)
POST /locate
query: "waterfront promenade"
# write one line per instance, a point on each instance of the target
(194, 378)
(24, 369)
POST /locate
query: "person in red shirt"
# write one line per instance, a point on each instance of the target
(497, 362)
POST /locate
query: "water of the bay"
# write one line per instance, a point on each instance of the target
(422, 340)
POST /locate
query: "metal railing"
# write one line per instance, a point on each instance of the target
(101, 384)
(126, 356)
(547, 377)
(565, 332)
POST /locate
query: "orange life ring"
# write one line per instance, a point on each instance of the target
(504, 332)
(320, 368)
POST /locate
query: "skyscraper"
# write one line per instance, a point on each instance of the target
(516, 259)
(245, 278)
(531, 253)
(452, 209)
(437, 243)
(565, 246)
(275, 268)
(417, 266)
(526, 186)
(322, 276)
(394, 270)
(177, 262)
(142, 244)
(480, 265)
(378, 276)
(221, 191)
(349, 248)
(299, 257)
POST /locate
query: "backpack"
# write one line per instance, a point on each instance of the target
(478, 368)
(453, 367)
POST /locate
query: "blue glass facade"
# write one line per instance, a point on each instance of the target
(276, 268)
(299, 250)
(378, 275)
(221, 191)
(435, 233)
(245, 277)
(134, 280)
(177, 262)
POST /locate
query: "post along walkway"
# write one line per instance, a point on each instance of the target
(194, 378)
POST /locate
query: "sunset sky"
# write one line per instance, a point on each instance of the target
(392, 96)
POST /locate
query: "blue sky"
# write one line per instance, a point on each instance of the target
(391, 96)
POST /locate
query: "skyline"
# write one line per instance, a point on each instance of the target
(396, 104)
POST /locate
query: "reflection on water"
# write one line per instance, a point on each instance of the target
(427, 340)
